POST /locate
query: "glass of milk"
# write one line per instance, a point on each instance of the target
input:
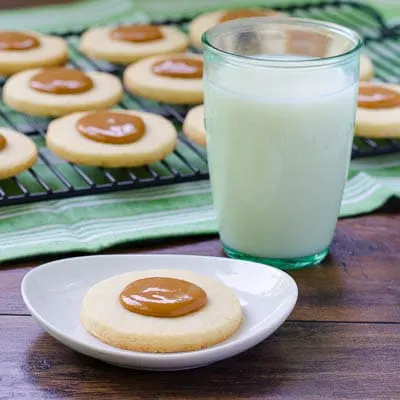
(280, 104)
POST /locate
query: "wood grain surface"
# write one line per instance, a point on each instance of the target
(358, 282)
(306, 360)
(341, 342)
(8, 4)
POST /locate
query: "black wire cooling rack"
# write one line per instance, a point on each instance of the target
(53, 178)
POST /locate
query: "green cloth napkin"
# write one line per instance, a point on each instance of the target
(93, 223)
(81, 14)
(173, 8)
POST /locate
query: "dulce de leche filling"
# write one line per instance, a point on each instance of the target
(163, 297)
(59, 80)
(245, 13)
(179, 67)
(137, 33)
(377, 97)
(304, 43)
(111, 127)
(17, 41)
(3, 142)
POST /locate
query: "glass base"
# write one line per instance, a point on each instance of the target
(281, 263)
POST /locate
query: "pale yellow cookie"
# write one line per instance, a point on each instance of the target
(301, 42)
(379, 122)
(97, 43)
(52, 51)
(206, 21)
(141, 80)
(18, 154)
(193, 126)
(18, 95)
(104, 317)
(366, 68)
(159, 140)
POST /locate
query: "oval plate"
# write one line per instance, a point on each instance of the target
(54, 292)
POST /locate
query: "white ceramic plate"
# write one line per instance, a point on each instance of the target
(54, 292)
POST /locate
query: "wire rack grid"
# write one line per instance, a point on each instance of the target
(53, 178)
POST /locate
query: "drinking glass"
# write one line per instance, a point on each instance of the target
(280, 105)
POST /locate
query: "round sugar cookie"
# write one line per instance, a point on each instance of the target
(378, 122)
(20, 96)
(17, 153)
(206, 21)
(140, 79)
(159, 140)
(49, 51)
(366, 68)
(98, 43)
(193, 126)
(104, 317)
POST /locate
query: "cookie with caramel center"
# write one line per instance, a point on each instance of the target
(378, 112)
(104, 317)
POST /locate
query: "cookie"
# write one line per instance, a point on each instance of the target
(366, 68)
(378, 113)
(25, 50)
(175, 79)
(17, 153)
(59, 91)
(115, 138)
(126, 44)
(193, 126)
(206, 21)
(304, 43)
(104, 317)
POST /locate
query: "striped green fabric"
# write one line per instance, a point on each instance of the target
(81, 14)
(60, 18)
(92, 223)
(160, 9)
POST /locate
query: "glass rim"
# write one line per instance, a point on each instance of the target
(294, 21)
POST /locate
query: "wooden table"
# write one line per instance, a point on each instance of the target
(341, 342)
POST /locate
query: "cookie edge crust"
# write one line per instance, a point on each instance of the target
(8, 68)
(125, 59)
(164, 95)
(134, 83)
(196, 333)
(124, 341)
(376, 128)
(114, 160)
(29, 107)
(192, 131)
(369, 70)
(29, 162)
(200, 24)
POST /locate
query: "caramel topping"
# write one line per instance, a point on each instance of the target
(137, 33)
(111, 127)
(179, 67)
(17, 41)
(245, 13)
(59, 80)
(3, 142)
(310, 44)
(377, 97)
(163, 297)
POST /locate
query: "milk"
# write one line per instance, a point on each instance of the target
(279, 144)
